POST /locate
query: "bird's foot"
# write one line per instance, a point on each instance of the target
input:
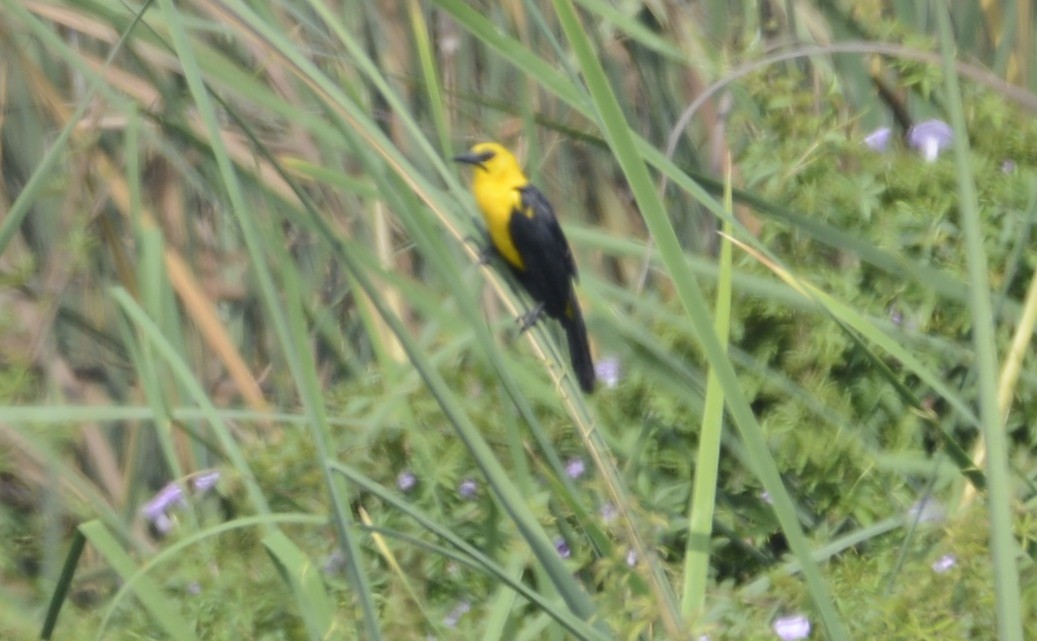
(530, 318)
(486, 251)
(487, 254)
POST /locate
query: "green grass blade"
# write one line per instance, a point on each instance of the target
(707, 463)
(1000, 496)
(63, 584)
(430, 75)
(502, 604)
(146, 591)
(304, 579)
(172, 552)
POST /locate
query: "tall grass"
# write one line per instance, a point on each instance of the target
(233, 240)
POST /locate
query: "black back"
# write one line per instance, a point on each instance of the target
(549, 266)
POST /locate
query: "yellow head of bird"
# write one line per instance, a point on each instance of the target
(496, 184)
(493, 161)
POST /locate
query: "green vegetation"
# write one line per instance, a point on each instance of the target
(255, 383)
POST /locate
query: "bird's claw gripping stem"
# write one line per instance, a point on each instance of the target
(530, 318)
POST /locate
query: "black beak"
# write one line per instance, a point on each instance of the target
(471, 158)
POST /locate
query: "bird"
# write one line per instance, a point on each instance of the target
(525, 234)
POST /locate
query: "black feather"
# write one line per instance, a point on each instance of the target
(548, 273)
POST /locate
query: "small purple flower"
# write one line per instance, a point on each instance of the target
(878, 140)
(455, 615)
(575, 468)
(631, 557)
(156, 510)
(944, 563)
(1007, 166)
(205, 481)
(194, 588)
(930, 137)
(468, 489)
(162, 523)
(562, 547)
(608, 512)
(792, 628)
(607, 371)
(765, 496)
(406, 481)
(169, 496)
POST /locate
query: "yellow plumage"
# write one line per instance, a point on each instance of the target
(495, 186)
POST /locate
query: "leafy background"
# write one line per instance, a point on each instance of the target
(232, 241)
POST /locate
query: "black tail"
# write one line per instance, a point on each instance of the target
(579, 348)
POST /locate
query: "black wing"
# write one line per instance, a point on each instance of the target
(548, 259)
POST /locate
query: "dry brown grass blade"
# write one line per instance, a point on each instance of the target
(201, 309)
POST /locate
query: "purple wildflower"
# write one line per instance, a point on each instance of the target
(792, 628)
(562, 547)
(169, 496)
(766, 497)
(607, 371)
(468, 489)
(944, 563)
(608, 512)
(162, 523)
(406, 481)
(575, 468)
(205, 481)
(930, 137)
(1007, 166)
(878, 140)
(156, 511)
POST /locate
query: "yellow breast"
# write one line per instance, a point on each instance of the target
(498, 201)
